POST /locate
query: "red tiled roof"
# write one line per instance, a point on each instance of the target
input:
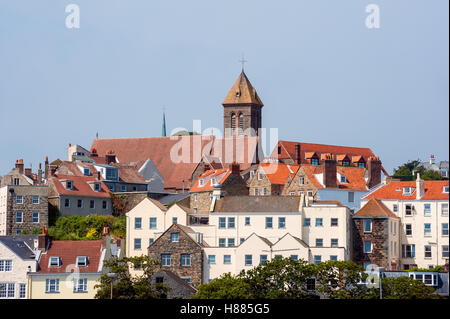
(375, 208)
(80, 186)
(288, 151)
(129, 173)
(68, 250)
(222, 175)
(279, 173)
(354, 175)
(394, 190)
(160, 149)
(240, 149)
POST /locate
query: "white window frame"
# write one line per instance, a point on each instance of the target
(153, 222)
(225, 261)
(19, 201)
(175, 237)
(21, 217)
(80, 285)
(32, 217)
(52, 283)
(211, 259)
(51, 263)
(6, 265)
(6, 293)
(32, 199)
(82, 261)
(248, 260)
(22, 291)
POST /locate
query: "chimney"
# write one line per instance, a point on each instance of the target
(94, 152)
(329, 172)
(39, 174)
(431, 159)
(235, 168)
(297, 154)
(110, 157)
(420, 187)
(19, 165)
(374, 172)
(43, 239)
(98, 176)
(52, 169)
(28, 172)
(46, 167)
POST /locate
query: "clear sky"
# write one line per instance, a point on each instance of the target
(323, 76)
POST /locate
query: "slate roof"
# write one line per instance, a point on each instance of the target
(258, 204)
(20, 245)
(167, 199)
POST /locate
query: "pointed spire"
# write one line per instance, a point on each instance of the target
(164, 133)
(242, 92)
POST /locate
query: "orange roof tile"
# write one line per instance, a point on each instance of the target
(220, 175)
(354, 175)
(394, 190)
(80, 186)
(279, 173)
(240, 149)
(375, 208)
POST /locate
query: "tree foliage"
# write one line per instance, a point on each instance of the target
(226, 286)
(406, 288)
(410, 169)
(126, 286)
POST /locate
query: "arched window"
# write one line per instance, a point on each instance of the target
(241, 122)
(233, 123)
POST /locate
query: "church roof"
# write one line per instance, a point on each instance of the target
(242, 92)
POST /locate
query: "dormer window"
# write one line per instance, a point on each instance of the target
(445, 190)
(260, 176)
(345, 163)
(314, 161)
(111, 173)
(252, 173)
(97, 187)
(86, 171)
(406, 190)
(201, 182)
(361, 164)
(69, 184)
(213, 181)
(54, 262)
(82, 261)
(343, 179)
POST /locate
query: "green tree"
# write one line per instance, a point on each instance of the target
(431, 175)
(406, 288)
(404, 172)
(226, 286)
(126, 286)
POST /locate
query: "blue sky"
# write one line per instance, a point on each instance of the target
(322, 75)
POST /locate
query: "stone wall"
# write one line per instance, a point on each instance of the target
(185, 245)
(380, 242)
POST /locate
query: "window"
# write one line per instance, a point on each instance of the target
(256, 192)
(80, 285)
(343, 179)
(86, 171)
(260, 175)
(111, 173)
(395, 208)
(69, 185)
(252, 173)
(262, 259)
(427, 250)
(166, 259)
(294, 257)
(19, 199)
(310, 193)
(137, 223)
(35, 199)
(334, 221)
(361, 164)
(302, 180)
(314, 161)
(367, 246)
(319, 222)
(124, 188)
(241, 240)
(52, 286)
(222, 222)
(150, 241)
(16, 181)
(291, 193)
(67, 203)
(248, 260)
(92, 204)
(334, 242)
(35, 217)
(175, 237)
(406, 190)
(444, 209)
(444, 251)
(97, 187)
(18, 231)
(281, 222)
(408, 251)
(307, 222)
(152, 222)
(317, 259)
(444, 229)
(351, 197)
(230, 242)
(367, 225)
(311, 284)
(247, 221)
(137, 243)
(445, 189)
(227, 259)
(6, 290)
(222, 242)
(185, 260)
(319, 242)
(408, 229)
(333, 258)
(265, 192)
(427, 229)
(5, 265)
(408, 210)
(80, 203)
(19, 217)
(427, 209)
(230, 222)
(104, 204)
(211, 259)
(174, 220)
(269, 222)
(22, 291)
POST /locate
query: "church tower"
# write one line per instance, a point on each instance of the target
(242, 109)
